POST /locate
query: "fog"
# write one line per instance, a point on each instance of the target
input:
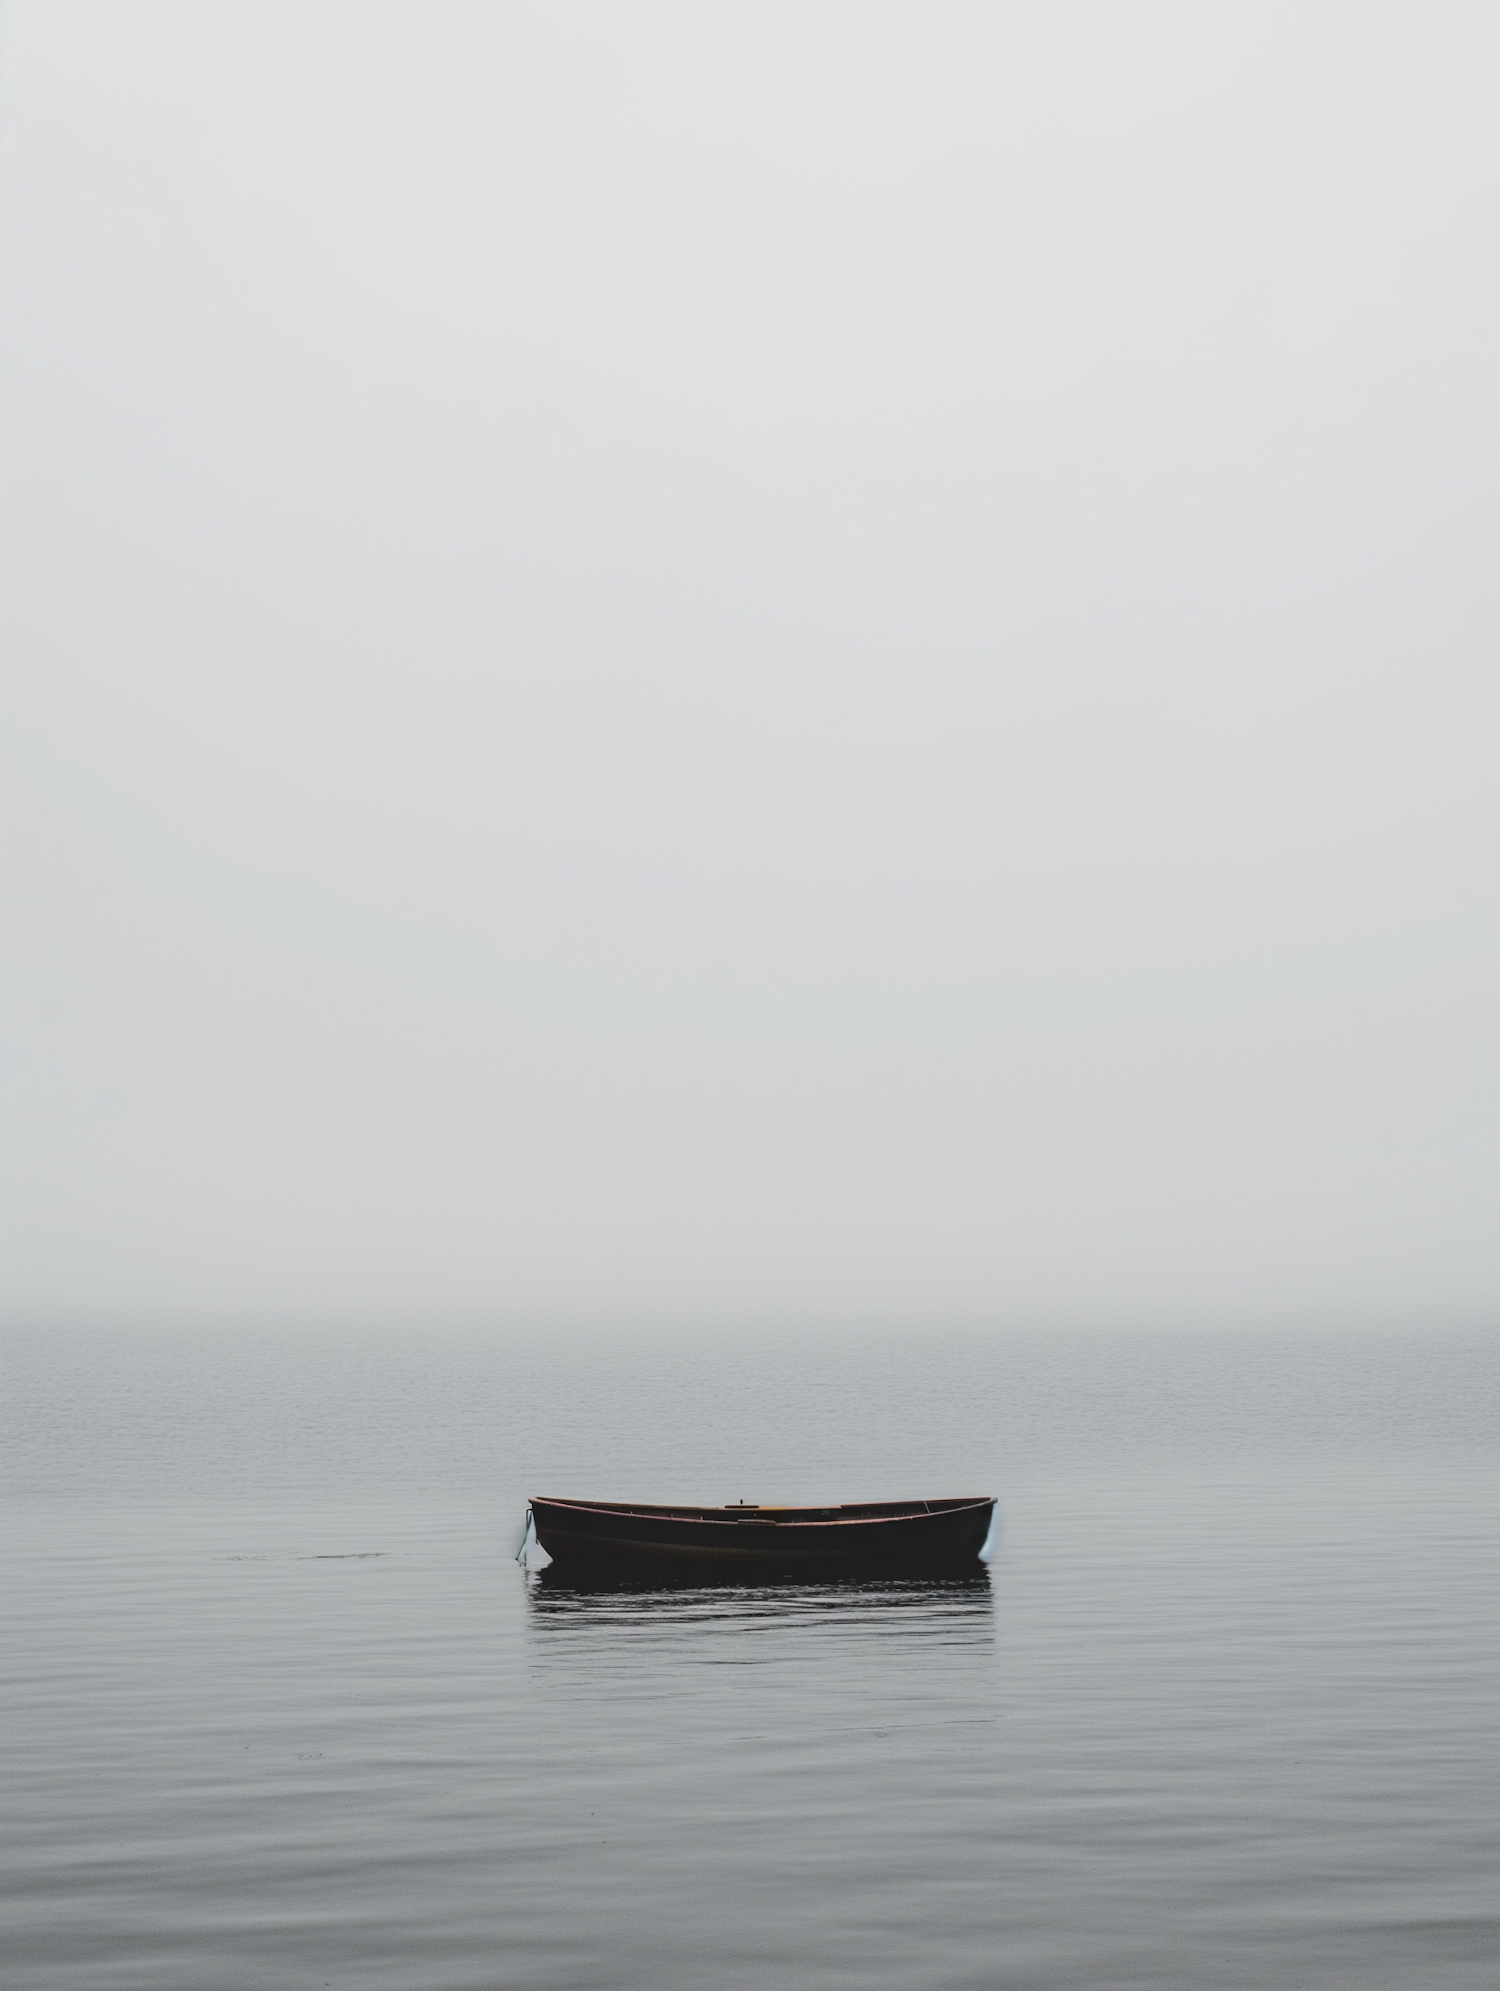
(763, 661)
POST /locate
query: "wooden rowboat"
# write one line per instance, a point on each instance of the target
(918, 1535)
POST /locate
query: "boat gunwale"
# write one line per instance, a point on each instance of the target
(782, 1517)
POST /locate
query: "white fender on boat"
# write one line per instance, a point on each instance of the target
(992, 1539)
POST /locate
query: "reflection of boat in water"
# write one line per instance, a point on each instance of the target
(749, 1542)
(631, 1619)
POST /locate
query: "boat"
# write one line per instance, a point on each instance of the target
(913, 1535)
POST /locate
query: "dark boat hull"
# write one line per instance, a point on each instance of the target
(912, 1535)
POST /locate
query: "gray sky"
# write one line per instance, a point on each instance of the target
(804, 660)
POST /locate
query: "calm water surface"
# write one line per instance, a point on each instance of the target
(282, 1711)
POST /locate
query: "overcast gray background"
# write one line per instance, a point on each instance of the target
(802, 661)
